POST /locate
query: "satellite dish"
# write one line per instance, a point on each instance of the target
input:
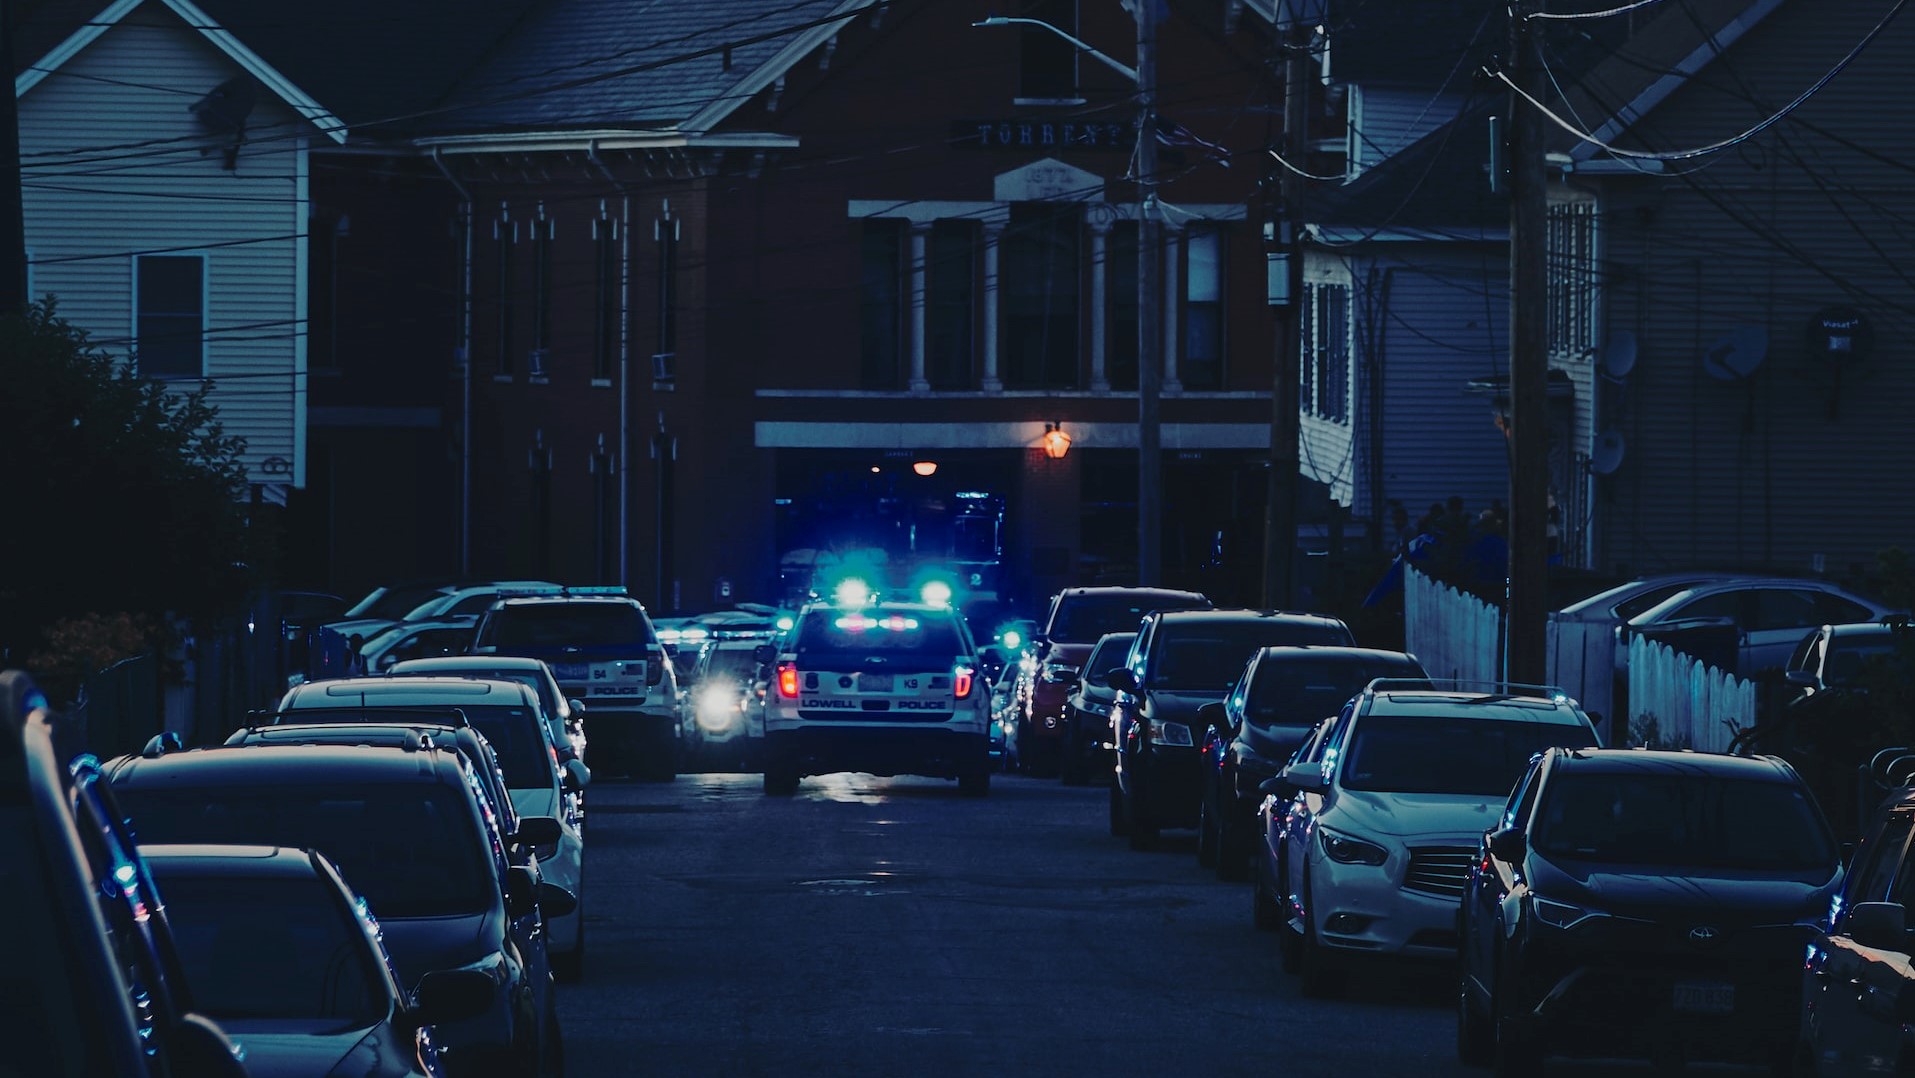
(1619, 354)
(1606, 457)
(1736, 354)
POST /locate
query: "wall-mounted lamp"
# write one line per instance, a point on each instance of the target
(926, 468)
(1056, 442)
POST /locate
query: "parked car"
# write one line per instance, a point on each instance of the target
(1077, 619)
(408, 829)
(1858, 991)
(281, 952)
(93, 982)
(462, 601)
(1180, 661)
(1005, 711)
(1087, 738)
(721, 719)
(1625, 601)
(508, 715)
(1768, 616)
(1628, 903)
(565, 717)
(1283, 803)
(1376, 859)
(407, 640)
(1834, 657)
(1283, 694)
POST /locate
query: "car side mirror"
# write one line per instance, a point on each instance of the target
(1508, 845)
(1121, 679)
(764, 653)
(1306, 777)
(576, 775)
(577, 706)
(450, 995)
(1880, 925)
(521, 890)
(1275, 786)
(537, 831)
(1214, 714)
(201, 1047)
(556, 901)
(1800, 678)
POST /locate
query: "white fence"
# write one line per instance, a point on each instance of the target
(1452, 633)
(1582, 662)
(1693, 705)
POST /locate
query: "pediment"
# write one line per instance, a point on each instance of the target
(1048, 180)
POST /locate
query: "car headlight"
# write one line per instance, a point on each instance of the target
(1562, 914)
(1350, 851)
(1170, 733)
(1056, 672)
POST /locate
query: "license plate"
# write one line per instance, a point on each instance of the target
(1705, 998)
(874, 682)
(570, 671)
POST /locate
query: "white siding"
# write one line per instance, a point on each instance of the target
(1385, 120)
(114, 164)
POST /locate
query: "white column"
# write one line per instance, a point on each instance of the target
(993, 231)
(1099, 233)
(1173, 300)
(919, 231)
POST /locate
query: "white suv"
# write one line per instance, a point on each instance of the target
(887, 688)
(1373, 854)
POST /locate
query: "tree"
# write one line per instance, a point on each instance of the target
(122, 494)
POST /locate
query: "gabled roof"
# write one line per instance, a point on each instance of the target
(640, 64)
(1437, 188)
(89, 29)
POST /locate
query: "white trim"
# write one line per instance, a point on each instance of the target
(776, 68)
(218, 36)
(1658, 91)
(1009, 435)
(622, 139)
(302, 300)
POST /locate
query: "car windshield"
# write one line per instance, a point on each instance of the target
(1082, 619)
(1682, 819)
(411, 850)
(531, 679)
(831, 634)
(1428, 754)
(513, 731)
(391, 605)
(1849, 658)
(282, 948)
(553, 625)
(1300, 690)
(1209, 656)
(1108, 655)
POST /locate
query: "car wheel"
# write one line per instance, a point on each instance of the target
(781, 778)
(569, 966)
(1142, 834)
(1023, 734)
(660, 763)
(1267, 914)
(1517, 1051)
(1119, 825)
(1070, 764)
(1233, 850)
(1475, 1040)
(975, 782)
(1206, 835)
(1318, 979)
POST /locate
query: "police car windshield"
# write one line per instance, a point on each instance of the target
(553, 625)
(832, 632)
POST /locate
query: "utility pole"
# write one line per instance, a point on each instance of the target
(1150, 366)
(1525, 656)
(13, 227)
(1286, 304)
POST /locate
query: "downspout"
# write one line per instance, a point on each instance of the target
(465, 357)
(624, 361)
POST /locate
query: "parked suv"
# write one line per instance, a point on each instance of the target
(603, 650)
(408, 830)
(1651, 904)
(1087, 714)
(888, 688)
(1078, 618)
(1379, 843)
(1283, 694)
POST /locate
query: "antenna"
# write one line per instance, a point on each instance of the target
(1606, 456)
(1736, 354)
(1619, 354)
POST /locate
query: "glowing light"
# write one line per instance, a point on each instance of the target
(936, 593)
(1056, 442)
(926, 468)
(961, 681)
(875, 469)
(1013, 639)
(851, 592)
(694, 635)
(784, 623)
(788, 680)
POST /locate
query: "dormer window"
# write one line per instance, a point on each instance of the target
(1047, 63)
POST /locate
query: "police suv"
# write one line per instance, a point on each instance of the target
(888, 688)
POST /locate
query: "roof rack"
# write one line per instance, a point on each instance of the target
(555, 591)
(1514, 689)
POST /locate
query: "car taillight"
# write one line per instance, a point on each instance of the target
(655, 669)
(788, 680)
(961, 681)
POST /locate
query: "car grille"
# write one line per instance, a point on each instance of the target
(1439, 870)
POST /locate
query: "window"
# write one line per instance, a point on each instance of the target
(505, 235)
(881, 246)
(542, 235)
(1047, 63)
(950, 285)
(1039, 287)
(322, 289)
(1120, 342)
(666, 232)
(1571, 274)
(605, 297)
(605, 514)
(170, 326)
(1326, 350)
(1202, 361)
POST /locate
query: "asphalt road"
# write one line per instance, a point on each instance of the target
(887, 926)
